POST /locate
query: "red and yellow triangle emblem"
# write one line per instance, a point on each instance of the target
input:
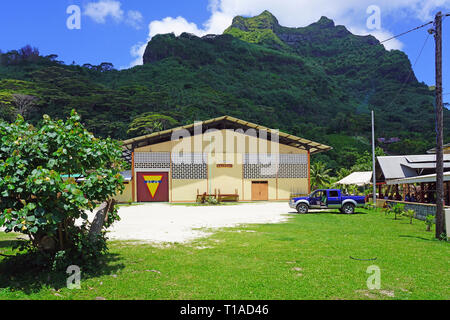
(153, 183)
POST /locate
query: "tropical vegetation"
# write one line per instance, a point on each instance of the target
(50, 176)
(319, 82)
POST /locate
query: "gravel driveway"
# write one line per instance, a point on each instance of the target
(161, 222)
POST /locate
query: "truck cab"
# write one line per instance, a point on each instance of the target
(327, 199)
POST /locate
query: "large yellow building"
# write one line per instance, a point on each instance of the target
(222, 156)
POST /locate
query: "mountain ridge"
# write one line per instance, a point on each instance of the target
(318, 82)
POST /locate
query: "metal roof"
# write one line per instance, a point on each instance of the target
(394, 167)
(419, 179)
(357, 178)
(425, 158)
(126, 175)
(426, 165)
(399, 167)
(224, 122)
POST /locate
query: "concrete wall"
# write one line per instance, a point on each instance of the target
(226, 147)
(421, 209)
(227, 141)
(126, 195)
(288, 186)
(226, 179)
(186, 190)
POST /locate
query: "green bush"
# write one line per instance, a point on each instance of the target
(429, 221)
(398, 210)
(410, 214)
(49, 177)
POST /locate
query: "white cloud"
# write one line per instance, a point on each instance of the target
(176, 25)
(137, 52)
(134, 18)
(297, 13)
(101, 10)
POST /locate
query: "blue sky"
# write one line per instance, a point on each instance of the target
(117, 30)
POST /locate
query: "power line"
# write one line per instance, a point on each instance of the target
(410, 72)
(403, 33)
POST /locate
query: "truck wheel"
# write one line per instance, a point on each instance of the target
(348, 208)
(302, 208)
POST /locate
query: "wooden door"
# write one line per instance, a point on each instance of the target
(260, 190)
(153, 186)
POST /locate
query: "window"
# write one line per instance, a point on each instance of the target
(317, 194)
(334, 194)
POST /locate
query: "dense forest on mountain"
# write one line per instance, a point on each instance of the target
(318, 82)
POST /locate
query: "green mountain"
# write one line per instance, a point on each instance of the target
(319, 82)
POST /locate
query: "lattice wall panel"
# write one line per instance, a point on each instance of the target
(260, 166)
(293, 171)
(189, 158)
(189, 166)
(152, 160)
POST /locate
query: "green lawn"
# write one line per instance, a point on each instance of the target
(305, 258)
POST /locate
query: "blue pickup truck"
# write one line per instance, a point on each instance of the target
(327, 199)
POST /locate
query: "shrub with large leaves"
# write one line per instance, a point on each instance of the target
(50, 176)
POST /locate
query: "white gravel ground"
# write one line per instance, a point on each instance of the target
(162, 223)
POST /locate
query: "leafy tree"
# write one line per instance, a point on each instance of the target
(49, 177)
(319, 175)
(150, 122)
(364, 160)
(342, 173)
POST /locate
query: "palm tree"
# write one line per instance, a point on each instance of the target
(319, 175)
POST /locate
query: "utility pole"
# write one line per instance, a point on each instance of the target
(439, 129)
(374, 176)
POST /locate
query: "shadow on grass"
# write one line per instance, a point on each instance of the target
(18, 275)
(7, 243)
(416, 237)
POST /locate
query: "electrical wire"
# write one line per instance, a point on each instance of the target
(416, 28)
(410, 72)
(406, 32)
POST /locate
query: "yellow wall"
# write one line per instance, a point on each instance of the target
(227, 180)
(186, 190)
(228, 147)
(126, 194)
(225, 141)
(288, 186)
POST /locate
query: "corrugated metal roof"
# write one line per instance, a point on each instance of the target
(357, 178)
(419, 179)
(297, 142)
(126, 175)
(426, 165)
(395, 167)
(425, 158)
(399, 167)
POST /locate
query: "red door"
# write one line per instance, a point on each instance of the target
(153, 186)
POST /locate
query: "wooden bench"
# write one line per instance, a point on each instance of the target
(228, 197)
(220, 197)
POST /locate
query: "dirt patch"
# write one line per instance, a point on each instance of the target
(163, 223)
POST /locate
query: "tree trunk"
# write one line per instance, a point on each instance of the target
(100, 218)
